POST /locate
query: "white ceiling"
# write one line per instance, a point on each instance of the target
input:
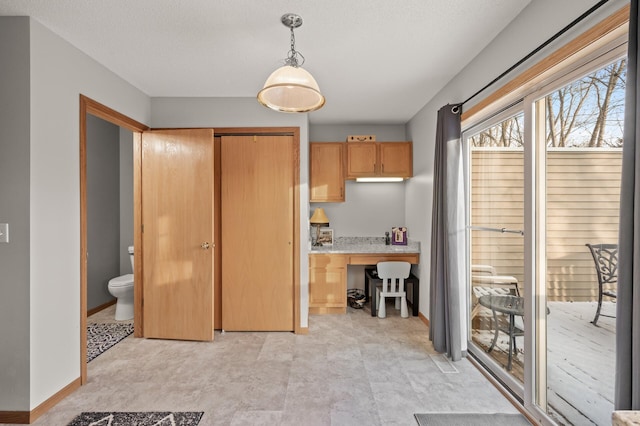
(376, 61)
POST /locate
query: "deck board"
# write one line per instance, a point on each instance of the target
(580, 361)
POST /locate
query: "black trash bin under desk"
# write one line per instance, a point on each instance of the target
(371, 280)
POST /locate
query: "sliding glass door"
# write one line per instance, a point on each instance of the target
(496, 245)
(579, 171)
(543, 184)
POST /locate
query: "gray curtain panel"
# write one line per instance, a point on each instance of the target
(627, 391)
(446, 308)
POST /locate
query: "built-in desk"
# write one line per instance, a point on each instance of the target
(328, 268)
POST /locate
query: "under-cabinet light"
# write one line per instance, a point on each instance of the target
(379, 179)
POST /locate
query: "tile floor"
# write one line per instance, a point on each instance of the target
(350, 369)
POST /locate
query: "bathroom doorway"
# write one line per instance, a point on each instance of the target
(88, 110)
(109, 209)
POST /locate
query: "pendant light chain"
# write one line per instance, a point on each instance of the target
(292, 57)
(293, 40)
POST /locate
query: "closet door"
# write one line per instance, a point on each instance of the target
(257, 197)
(177, 200)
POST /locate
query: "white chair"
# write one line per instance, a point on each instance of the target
(484, 281)
(393, 275)
(483, 270)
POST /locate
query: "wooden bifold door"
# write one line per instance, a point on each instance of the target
(235, 199)
(257, 199)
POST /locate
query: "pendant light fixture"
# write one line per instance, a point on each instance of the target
(291, 88)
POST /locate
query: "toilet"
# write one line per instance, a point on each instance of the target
(122, 288)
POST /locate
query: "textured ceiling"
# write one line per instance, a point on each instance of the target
(376, 61)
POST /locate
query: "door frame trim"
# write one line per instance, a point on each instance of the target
(89, 106)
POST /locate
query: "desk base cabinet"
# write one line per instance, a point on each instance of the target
(327, 284)
(328, 278)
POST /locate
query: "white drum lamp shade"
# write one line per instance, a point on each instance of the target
(291, 89)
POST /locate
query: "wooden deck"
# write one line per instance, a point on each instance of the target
(580, 362)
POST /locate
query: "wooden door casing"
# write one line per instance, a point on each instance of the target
(217, 228)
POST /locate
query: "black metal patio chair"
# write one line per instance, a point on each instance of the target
(605, 257)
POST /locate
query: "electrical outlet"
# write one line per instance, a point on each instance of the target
(4, 232)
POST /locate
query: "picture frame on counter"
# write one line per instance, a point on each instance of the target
(325, 237)
(399, 236)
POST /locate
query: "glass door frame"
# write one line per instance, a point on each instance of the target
(496, 369)
(533, 392)
(536, 220)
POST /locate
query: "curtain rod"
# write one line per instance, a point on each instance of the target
(537, 49)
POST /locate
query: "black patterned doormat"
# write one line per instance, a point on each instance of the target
(101, 337)
(153, 418)
(466, 419)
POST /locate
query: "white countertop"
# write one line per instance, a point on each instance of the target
(348, 245)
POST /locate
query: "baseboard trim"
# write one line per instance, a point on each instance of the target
(302, 330)
(54, 399)
(14, 417)
(28, 417)
(101, 307)
(424, 319)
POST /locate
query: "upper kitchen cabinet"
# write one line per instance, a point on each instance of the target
(326, 172)
(379, 159)
(396, 159)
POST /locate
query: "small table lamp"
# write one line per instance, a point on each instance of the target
(318, 219)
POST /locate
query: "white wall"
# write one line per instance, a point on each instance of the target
(339, 132)
(540, 20)
(245, 112)
(59, 74)
(14, 210)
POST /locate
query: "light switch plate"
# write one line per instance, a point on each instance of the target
(4, 232)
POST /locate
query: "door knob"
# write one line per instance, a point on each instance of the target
(205, 245)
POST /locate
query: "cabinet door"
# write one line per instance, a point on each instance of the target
(396, 159)
(327, 284)
(326, 171)
(361, 159)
